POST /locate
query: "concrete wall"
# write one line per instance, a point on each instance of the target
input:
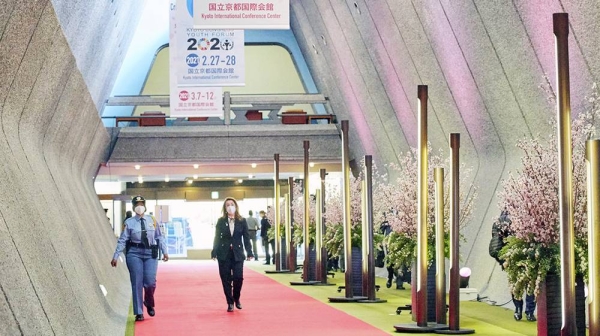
(225, 143)
(56, 240)
(483, 62)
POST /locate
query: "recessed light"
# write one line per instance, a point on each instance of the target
(195, 177)
(137, 167)
(253, 165)
(196, 166)
(311, 164)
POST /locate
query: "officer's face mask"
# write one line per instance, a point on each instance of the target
(231, 209)
(140, 209)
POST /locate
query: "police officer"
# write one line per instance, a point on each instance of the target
(141, 240)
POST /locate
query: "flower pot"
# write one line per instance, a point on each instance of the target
(284, 255)
(431, 270)
(549, 312)
(357, 271)
(312, 265)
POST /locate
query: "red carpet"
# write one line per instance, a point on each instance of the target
(190, 301)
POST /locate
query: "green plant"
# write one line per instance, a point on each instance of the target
(271, 232)
(333, 239)
(299, 233)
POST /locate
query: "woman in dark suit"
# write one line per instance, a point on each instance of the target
(228, 250)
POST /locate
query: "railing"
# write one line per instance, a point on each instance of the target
(245, 109)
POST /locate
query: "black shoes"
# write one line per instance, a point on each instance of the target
(151, 311)
(518, 314)
(230, 307)
(400, 287)
(531, 317)
(388, 284)
(238, 305)
(139, 317)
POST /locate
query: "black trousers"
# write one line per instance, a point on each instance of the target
(253, 239)
(232, 277)
(270, 258)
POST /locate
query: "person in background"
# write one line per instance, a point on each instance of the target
(386, 229)
(500, 231)
(127, 216)
(141, 240)
(252, 228)
(231, 232)
(264, 228)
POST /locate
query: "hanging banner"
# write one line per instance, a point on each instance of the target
(207, 57)
(196, 102)
(212, 14)
(172, 46)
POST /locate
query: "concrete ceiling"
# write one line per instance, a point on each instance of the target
(215, 171)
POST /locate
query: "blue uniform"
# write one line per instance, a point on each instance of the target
(142, 267)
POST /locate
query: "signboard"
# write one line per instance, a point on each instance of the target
(207, 57)
(199, 61)
(211, 58)
(196, 102)
(231, 14)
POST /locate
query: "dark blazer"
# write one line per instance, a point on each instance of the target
(264, 228)
(224, 241)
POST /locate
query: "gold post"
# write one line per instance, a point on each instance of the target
(440, 259)
(368, 230)
(422, 210)
(288, 230)
(324, 255)
(363, 210)
(565, 175)
(454, 233)
(346, 200)
(307, 261)
(319, 234)
(593, 203)
(277, 252)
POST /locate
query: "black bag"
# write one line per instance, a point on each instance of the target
(379, 259)
(497, 241)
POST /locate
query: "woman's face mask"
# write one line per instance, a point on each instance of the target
(231, 209)
(140, 209)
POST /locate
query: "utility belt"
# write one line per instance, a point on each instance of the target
(154, 248)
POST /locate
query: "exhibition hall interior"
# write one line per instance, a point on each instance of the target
(299, 167)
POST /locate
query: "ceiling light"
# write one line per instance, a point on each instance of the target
(140, 179)
(250, 176)
(311, 164)
(195, 177)
(240, 180)
(196, 166)
(167, 179)
(137, 167)
(190, 181)
(214, 195)
(254, 165)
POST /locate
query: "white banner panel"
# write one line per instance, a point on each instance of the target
(207, 57)
(211, 58)
(172, 46)
(196, 102)
(231, 14)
